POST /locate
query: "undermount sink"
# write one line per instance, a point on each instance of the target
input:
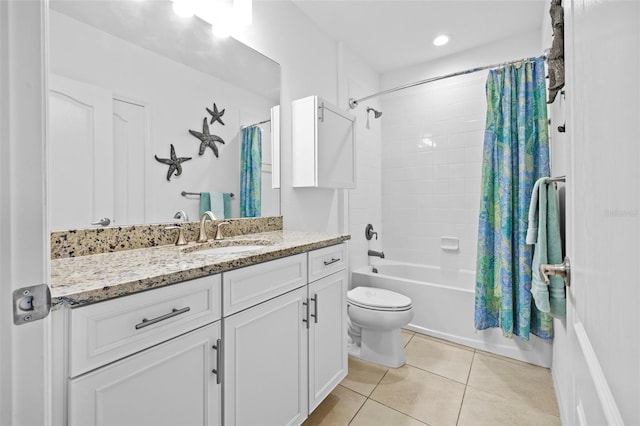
(225, 247)
(227, 250)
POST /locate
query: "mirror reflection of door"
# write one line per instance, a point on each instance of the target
(80, 153)
(130, 142)
(89, 128)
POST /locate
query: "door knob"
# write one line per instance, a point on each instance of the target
(562, 270)
(105, 221)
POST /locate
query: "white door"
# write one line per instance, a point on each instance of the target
(596, 352)
(130, 143)
(24, 357)
(265, 363)
(80, 154)
(327, 336)
(169, 384)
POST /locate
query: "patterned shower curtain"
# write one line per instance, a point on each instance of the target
(250, 172)
(516, 154)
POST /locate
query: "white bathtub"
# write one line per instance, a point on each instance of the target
(443, 304)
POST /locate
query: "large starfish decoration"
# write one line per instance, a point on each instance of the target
(173, 162)
(215, 115)
(207, 139)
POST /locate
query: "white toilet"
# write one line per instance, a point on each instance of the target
(375, 318)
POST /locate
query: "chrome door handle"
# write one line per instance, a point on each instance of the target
(174, 312)
(562, 270)
(315, 308)
(217, 371)
(105, 221)
(332, 261)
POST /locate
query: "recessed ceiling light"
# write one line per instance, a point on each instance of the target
(441, 40)
(183, 8)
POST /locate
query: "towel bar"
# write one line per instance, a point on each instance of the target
(185, 193)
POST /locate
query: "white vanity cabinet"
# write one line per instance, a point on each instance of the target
(328, 321)
(150, 358)
(323, 145)
(287, 351)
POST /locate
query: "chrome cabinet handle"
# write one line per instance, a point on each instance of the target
(217, 371)
(315, 308)
(307, 312)
(105, 221)
(174, 312)
(327, 263)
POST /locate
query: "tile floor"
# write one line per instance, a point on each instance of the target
(441, 384)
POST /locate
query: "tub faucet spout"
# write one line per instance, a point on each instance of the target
(379, 254)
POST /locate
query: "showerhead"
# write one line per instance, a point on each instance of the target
(376, 114)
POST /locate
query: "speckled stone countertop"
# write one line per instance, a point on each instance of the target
(78, 281)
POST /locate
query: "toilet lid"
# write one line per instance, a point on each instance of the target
(378, 298)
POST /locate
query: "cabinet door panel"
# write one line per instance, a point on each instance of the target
(170, 384)
(327, 336)
(265, 363)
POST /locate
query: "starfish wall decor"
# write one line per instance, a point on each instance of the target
(215, 115)
(174, 163)
(207, 139)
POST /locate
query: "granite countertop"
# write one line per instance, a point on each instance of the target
(79, 281)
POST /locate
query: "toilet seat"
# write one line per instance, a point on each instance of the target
(378, 299)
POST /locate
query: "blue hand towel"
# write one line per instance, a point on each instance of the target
(539, 289)
(205, 202)
(532, 229)
(548, 249)
(217, 205)
(557, 297)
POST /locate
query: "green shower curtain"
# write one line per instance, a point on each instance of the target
(250, 172)
(516, 154)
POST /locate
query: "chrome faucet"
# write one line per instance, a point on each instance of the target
(379, 254)
(181, 215)
(219, 235)
(202, 237)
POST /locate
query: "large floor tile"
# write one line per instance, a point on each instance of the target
(422, 395)
(515, 381)
(374, 413)
(363, 376)
(337, 409)
(440, 358)
(482, 408)
(406, 337)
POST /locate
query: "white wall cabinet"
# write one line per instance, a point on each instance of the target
(169, 384)
(324, 146)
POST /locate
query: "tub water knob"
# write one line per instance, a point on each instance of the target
(369, 232)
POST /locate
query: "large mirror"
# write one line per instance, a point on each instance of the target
(128, 80)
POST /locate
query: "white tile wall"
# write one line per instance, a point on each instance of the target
(432, 140)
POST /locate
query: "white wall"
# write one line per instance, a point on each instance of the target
(313, 63)
(175, 97)
(365, 201)
(309, 66)
(431, 155)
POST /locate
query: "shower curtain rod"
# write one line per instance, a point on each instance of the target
(354, 102)
(255, 124)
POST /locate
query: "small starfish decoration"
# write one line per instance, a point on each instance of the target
(215, 115)
(173, 162)
(208, 140)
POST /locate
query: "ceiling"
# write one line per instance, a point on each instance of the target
(394, 34)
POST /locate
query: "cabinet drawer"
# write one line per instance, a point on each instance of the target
(246, 287)
(326, 261)
(111, 330)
